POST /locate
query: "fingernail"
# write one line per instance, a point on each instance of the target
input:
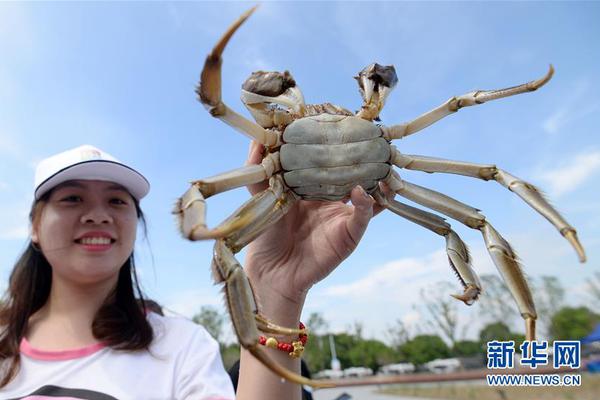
(363, 192)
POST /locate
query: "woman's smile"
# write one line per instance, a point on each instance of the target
(96, 241)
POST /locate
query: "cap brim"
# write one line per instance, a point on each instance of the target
(100, 170)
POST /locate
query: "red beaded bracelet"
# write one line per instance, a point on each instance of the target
(294, 349)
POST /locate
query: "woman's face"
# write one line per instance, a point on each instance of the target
(86, 230)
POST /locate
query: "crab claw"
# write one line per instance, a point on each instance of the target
(376, 79)
(469, 296)
(273, 87)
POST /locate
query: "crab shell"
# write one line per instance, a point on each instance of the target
(325, 156)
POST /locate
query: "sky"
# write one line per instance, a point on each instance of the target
(121, 76)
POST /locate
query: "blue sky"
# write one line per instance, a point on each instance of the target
(121, 76)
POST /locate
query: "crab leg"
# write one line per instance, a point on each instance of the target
(242, 308)
(458, 253)
(456, 103)
(191, 207)
(500, 250)
(529, 193)
(240, 299)
(209, 92)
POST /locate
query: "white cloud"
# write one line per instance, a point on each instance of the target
(388, 278)
(570, 175)
(15, 232)
(189, 302)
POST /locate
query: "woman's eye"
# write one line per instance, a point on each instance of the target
(118, 201)
(71, 199)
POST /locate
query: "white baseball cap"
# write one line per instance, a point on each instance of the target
(88, 163)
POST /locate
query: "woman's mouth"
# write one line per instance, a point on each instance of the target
(95, 243)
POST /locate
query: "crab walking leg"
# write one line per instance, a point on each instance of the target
(242, 308)
(500, 250)
(456, 103)
(209, 92)
(191, 207)
(528, 192)
(458, 253)
(261, 211)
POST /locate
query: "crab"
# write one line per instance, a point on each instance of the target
(321, 152)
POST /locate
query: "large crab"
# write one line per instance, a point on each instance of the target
(320, 152)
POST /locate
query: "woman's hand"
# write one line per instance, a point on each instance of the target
(303, 247)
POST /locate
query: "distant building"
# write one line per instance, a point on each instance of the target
(397, 369)
(442, 366)
(357, 372)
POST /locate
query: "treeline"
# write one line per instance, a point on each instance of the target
(438, 335)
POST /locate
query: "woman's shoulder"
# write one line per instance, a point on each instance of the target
(177, 330)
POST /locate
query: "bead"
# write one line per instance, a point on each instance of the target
(271, 342)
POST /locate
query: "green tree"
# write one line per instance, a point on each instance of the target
(211, 320)
(500, 331)
(495, 331)
(465, 348)
(424, 348)
(316, 353)
(230, 354)
(573, 323)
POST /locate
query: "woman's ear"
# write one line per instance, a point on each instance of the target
(34, 235)
(35, 223)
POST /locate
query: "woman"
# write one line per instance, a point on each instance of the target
(72, 326)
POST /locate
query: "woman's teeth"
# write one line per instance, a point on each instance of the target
(95, 241)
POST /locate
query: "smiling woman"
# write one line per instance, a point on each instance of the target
(71, 323)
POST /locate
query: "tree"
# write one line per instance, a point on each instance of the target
(496, 302)
(398, 334)
(593, 290)
(548, 295)
(424, 348)
(230, 354)
(316, 353)
(465, 348)
(441, 314)
(317, 324)
(573, 323)
(357, 329)
(353, 352)
(495, 331)
(211, 320)
(499, 331)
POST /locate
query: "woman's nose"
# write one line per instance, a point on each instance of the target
(97, 214)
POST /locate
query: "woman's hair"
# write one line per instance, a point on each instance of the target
(119, 323)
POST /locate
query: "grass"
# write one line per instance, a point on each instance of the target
(478, 390)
